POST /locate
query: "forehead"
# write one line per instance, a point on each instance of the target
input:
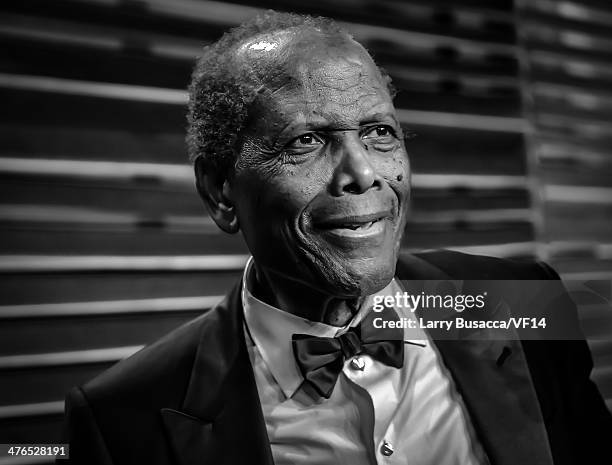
(283, 46)
(306, 71)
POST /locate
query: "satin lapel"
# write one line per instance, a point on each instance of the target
(220, 421)
(492, 375)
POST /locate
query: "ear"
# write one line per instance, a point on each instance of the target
(215, 192)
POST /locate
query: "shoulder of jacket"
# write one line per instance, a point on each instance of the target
(457, 265)
(166, 364)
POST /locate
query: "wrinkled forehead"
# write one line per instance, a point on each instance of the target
(294, 55)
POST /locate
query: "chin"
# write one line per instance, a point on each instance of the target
(372, 276)
(352, 277)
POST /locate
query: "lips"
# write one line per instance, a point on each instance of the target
(352, 223)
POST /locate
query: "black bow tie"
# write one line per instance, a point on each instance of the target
(320, 359)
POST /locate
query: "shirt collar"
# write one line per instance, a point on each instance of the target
(271, 330)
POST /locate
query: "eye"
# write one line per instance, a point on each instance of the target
(306, 140)
(381, 133)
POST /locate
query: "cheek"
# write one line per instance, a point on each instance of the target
(395, 169)
(272, 200)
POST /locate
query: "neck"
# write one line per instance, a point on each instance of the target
(304, 301)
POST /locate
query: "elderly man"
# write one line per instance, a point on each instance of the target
(296, 144)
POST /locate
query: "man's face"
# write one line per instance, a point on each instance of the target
(322, 180)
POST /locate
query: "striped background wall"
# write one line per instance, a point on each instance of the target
(565, 51)
(105, 246)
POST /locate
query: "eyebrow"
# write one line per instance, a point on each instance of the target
(380, 116)
(334, 122)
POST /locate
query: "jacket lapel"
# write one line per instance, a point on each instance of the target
(491, 373)
(500, 397)
(220, 421)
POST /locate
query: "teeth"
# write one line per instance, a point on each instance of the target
(355, 226)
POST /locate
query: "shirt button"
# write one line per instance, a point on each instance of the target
(357, 364)
(386, 449)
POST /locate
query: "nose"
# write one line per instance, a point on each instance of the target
(354, 173)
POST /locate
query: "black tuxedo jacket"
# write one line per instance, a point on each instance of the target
(190, 398)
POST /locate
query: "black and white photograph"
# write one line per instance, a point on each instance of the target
(278, 232)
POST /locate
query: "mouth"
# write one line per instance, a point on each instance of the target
(354, 226)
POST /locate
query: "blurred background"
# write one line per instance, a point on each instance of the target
(105, 245)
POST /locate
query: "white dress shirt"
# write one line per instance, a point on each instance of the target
(376, 414)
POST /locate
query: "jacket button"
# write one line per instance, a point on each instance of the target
(357, 364)
(386, 449)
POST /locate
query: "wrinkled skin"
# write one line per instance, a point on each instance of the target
(322, 156)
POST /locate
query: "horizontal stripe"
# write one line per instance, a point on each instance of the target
(562, 152)
(541, 32)
(100, 37)
(602, 372)
(46, 36)
(50, 216)
(499, 250)
(570, 10)
(77, 357)
(65, 214)
(604, 275)
(474, 82)
(33, 460)
(468, 216)
(31, 410)
(93, 89)
(184, 173)
(111, 307)
(576, 96)
(601, 311)
(573, 64)
(577, 194)
(52, 263)
(600, 347)
(54, 214)
(473, 181)
(590, 128)
(578, 248)
(464, 121)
